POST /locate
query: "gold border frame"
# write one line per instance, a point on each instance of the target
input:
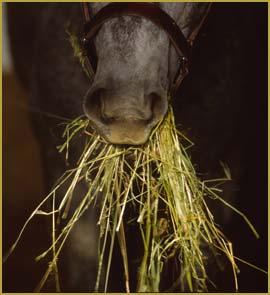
(1, 132)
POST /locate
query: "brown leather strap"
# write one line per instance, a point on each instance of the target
(181, 74)
(85, 12)
(191, 38)
(146, 10)
(90, 52)
(184, 69)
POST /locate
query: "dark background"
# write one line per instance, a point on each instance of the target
(222, 105)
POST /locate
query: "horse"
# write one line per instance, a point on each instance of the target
(136, 66)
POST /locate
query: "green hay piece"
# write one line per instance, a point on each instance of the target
(78, 51)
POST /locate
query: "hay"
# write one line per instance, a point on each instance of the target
(156, 178)
(160, 182)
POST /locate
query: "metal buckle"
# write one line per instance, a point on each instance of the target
(183, 64)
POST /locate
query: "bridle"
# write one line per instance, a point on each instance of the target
(147, 10)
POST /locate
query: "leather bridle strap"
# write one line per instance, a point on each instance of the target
(85, 11)
(146, 10)
(191, 38)
(149, 11)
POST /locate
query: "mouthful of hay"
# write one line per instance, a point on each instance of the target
(159, 181)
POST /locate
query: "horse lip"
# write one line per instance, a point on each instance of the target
(122, 138)
(125, 141)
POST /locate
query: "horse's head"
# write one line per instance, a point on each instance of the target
(136, 66)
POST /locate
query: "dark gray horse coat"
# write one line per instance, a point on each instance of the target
(220, 106)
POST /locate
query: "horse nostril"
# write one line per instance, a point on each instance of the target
(93, 105)
(159, 106)
(95, 110)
